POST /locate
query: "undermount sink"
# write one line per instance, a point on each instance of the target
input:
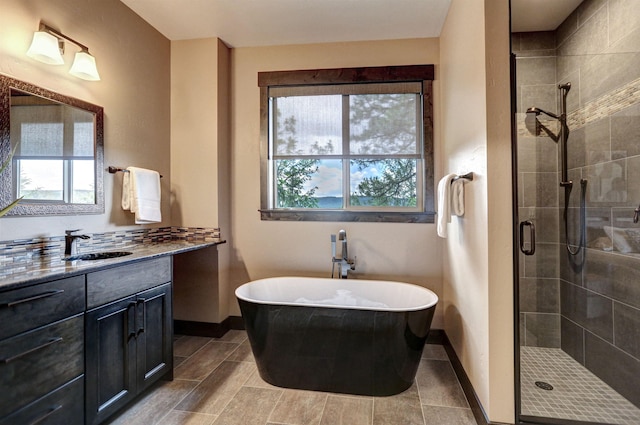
(98, 255)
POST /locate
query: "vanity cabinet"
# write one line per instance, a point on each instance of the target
(42, 352)
(128, 334)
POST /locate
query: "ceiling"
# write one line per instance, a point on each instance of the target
(540, 15)
(244, 23)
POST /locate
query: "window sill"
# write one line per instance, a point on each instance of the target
(347, 216)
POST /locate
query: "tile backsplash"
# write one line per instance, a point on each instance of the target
(19, 253)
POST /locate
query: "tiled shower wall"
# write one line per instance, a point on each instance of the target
(597, 49)
(538, 190)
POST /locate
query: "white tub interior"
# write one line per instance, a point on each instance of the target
(338, 293)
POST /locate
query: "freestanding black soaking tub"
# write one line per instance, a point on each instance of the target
(347, 336)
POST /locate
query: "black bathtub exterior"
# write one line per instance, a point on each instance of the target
(339, 350)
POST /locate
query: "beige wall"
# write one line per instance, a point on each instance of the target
(194, 123)
(406, 252)
(499, 201)
(133, 61)
(200, 170)
(477, 255)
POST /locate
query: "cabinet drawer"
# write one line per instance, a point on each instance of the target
(36, 362)
(27, 308)
(62, 406)
(119, 282)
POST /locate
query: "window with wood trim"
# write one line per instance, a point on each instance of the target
(350, 144)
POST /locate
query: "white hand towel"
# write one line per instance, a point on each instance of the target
(457, 197)
(145, 195)
(444, 204)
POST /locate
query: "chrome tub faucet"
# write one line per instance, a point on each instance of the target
(344, 262)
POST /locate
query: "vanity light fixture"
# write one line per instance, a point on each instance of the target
(45, 48)
(48, 45)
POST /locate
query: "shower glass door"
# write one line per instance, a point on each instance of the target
(578, 282)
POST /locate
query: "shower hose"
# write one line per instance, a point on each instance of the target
(583, 216)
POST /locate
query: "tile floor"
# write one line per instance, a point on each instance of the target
(216, 383)
(577, 394)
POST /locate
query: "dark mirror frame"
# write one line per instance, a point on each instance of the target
(6, 192)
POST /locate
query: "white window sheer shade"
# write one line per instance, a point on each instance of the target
(317, 112)
(307, 125)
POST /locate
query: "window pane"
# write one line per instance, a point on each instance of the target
(41, 179)
(384, 183)
(83, 182)
(383, 124)
(308, 125)
(308, 183)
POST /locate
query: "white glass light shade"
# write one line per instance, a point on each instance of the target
(45, 48)
(84, 66)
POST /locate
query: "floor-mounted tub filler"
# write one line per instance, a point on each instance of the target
(346, 336)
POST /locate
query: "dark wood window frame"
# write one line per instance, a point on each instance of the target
(384, 74)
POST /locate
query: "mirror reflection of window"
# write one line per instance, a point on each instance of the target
(54, 157)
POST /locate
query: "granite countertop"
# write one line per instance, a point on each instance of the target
(42, 270)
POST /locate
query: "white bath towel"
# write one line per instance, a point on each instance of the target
(141, 194)
(444, 204)
(457, 197)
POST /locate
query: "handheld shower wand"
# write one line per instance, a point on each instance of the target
(342, 236)
(333, 246)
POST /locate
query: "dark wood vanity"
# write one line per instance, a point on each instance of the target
(75, 349)
(116, 321)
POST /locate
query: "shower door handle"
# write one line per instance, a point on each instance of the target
(532, 237)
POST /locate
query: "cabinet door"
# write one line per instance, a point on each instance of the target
(110, 358)
(154, 335)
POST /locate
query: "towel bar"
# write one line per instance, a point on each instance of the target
(468, 176)
(111, 169)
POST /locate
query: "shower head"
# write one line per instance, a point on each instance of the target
(538, 111)
(533, 110)
(535, 127)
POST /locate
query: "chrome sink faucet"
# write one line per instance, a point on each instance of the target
(70, 241)
(344, 262)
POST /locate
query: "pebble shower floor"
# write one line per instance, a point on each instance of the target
(577, 393)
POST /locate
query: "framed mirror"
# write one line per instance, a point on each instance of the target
(58, 151)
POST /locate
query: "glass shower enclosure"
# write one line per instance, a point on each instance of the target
(577, 185)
